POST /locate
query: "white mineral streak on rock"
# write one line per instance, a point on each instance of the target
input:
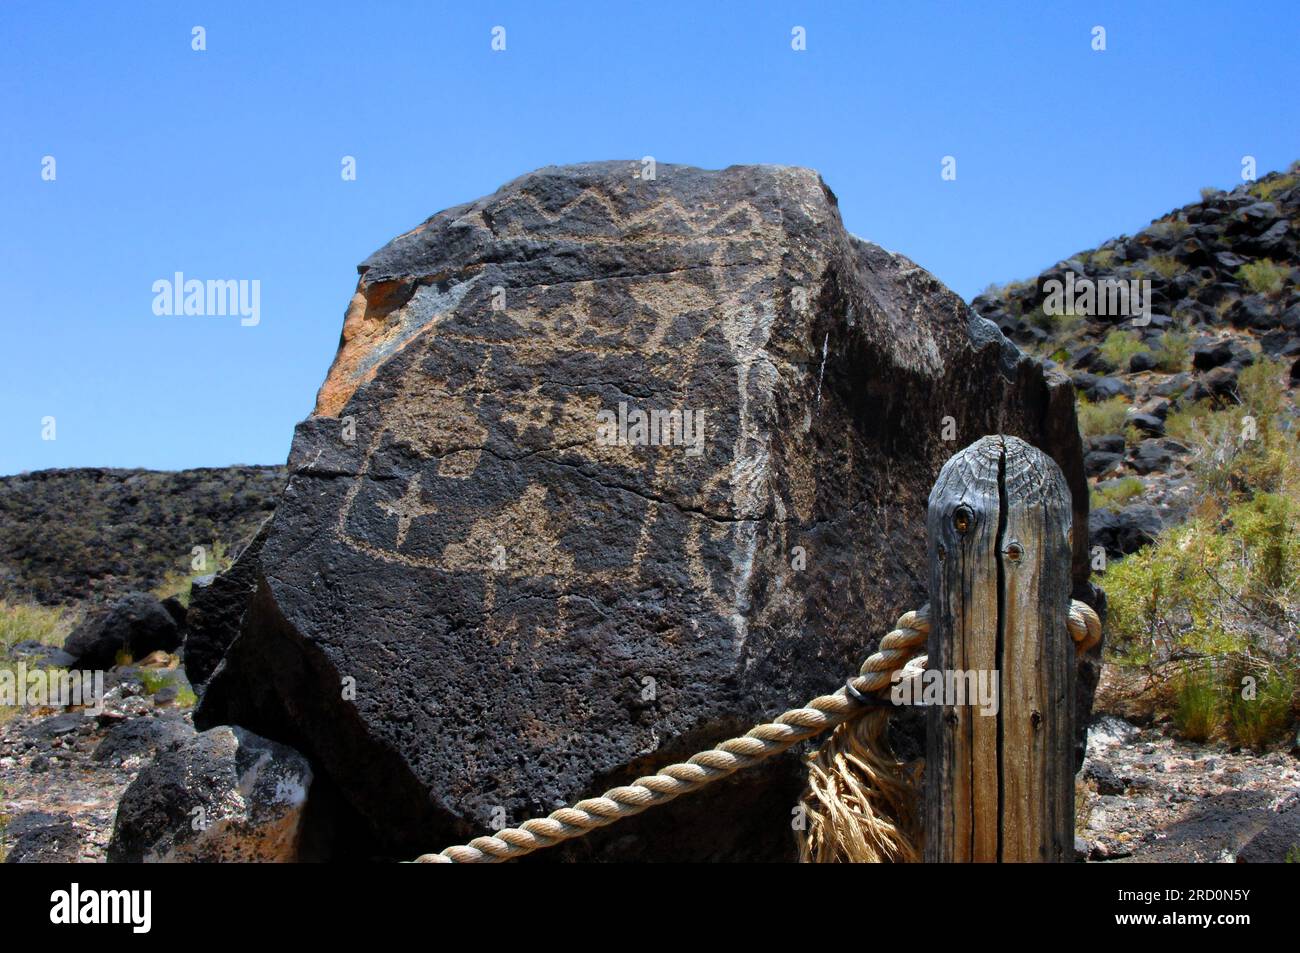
(747, 331)
(821, 371)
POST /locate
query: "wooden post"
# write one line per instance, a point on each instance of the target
(1000, 787)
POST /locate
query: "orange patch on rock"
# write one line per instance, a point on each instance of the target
(368, 324)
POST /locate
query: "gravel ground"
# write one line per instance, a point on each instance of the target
(1142, 796)
(63, 772)
(1151, 798)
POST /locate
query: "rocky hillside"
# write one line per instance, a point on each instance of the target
(91, 533)
(1188, 408)
(1222, 278)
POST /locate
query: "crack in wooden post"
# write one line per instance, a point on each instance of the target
(1000, 786)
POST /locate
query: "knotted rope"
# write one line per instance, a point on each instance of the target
(845, 780)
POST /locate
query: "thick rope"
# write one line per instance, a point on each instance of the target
(760, 743)
(1084, 626)
(860, 803)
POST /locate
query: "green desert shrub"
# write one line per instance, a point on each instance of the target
(1270, 187)
(1259, 706)
(1116, 494)
(1119, 346)
(1263, 276)
(1063, 325)
(1216, 599)
(1102, 417)
(21, 622)
(1198, 706)
(1164, 265)
(1162, 603)
(1102, 258)
(1173, 352)
(1188, 421)
(177, 582)
(1268, 520)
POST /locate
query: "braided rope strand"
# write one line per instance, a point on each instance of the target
(1084, 626)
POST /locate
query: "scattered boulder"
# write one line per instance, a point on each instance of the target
(1104, 777)
(38, 653)
(1104, 388)
(41, 838)
(1253, 312)
(1101, 462)
(1125, 530)
(1209, 354)
(1150, 456)
(1150, 424)
(225, 795)
(142, 738)
(1108, 443)
(1141, 361)
(1220, 383)
(1083, 358)
(176, 609)
(524, 608)
(41, 733)
(1155, 406)
(137, 623)
(1173, 386)
(1280, 344)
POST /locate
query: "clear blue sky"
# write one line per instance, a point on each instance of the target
(226, 163)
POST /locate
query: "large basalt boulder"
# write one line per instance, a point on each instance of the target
(477, 601)
(136, 624)
(223, 796)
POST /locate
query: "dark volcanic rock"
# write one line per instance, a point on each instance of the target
(139, 737)
(1098, 462)
(475, 610)
(1152, 424)
(41, 838)
(1142, 361)
(1109, 443)
(1124, 531)
(1150, 457)
(217, 607)
(1221, 382)
(69, 535)
(1280, 344)
(1211, 354)
(137, 622)
(225, 795)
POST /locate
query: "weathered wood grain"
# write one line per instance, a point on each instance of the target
(1000, 787)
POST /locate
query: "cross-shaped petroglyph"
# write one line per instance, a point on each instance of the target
(408, 508)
